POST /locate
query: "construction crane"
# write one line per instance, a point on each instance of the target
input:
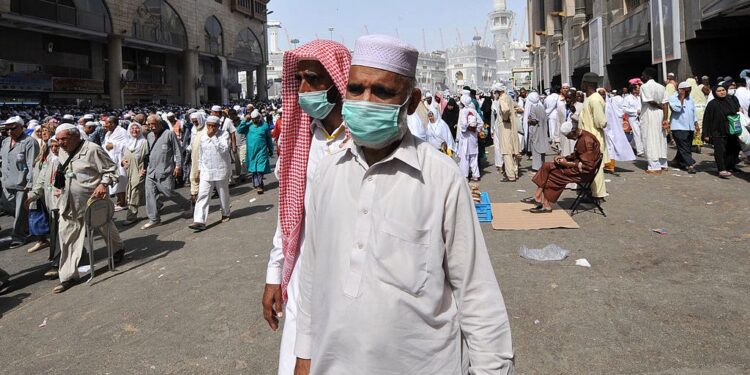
(460, 38)
(424, 41)
(484, 36)
(367, 31)
(523, 28)
(288, 39)
(442, 40)
(477, 38)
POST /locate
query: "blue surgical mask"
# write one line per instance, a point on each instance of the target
(316, 104)
(372, 124)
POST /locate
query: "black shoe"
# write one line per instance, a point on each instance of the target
(691, 170)
(16, 244)
(119, 256)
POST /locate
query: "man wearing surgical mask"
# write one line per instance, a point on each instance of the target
(312, 129)
(396, 275)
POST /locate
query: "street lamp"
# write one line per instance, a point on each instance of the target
(331, 30)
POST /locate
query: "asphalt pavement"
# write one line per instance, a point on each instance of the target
(185, 302)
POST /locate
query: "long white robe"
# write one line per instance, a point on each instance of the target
(631, 104)
(118, 138)
(550, 104)
(654, 137)
(523, 130)
(617, 142)
(416, 127)
(438, 133)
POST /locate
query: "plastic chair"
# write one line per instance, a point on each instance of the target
(584, 190)
(98, 213)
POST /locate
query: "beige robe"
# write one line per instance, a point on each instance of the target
(593, 120)
(135, 191)
(508, 126)
(90, 167)
(195, 155)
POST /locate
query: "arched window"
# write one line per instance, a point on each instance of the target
(214, 36)
(459, 76)
(248, 47)
(86, 14)
(156, 21)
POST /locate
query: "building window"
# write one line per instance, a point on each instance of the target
(214, 36)
(156, 21)
(248, 47)
(90, 15)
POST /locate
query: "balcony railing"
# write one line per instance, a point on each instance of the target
(251, 8)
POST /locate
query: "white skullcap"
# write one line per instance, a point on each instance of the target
(465, 92)
(503, 89)
(92, 123)
(212, 119)
(14, 120)
(88, 117)
(216, 108)
(428, 95)
(280, 110)
(237, 108)
(196, 115)
(683, 85)
(386, 53)
(170, 114)
(255, 114)
(566, 85)
(670, 75)
(496, 87)
(68, 117)
(566, 128)
(65, 127)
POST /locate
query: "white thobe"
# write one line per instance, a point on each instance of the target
(496, 144)
(416, 127)
(631, 105)
(550, 105)
(524, 131)
(322, 145)
(468, 144)
(654, 136)
(118, 138)
(215, 169)
(407, 276)
(743, 96)
(618, 147)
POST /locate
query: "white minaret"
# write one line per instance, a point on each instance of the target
(273, 36)
(501, 24)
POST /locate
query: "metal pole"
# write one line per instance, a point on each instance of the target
(663, 43)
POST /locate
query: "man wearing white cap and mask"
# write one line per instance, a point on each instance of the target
(214, 166)
(230, 127)
(406, 277)
(18, 153)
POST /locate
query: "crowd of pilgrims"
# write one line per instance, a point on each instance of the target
(241, 142)
(143, 153)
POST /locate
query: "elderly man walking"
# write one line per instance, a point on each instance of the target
(313, 129)
(18, 153)
(405, 284)
(164, 164)
(215, 170)
(88, 173)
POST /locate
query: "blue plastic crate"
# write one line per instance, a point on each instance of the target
(484, 208)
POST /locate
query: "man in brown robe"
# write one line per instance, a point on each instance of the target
(553, 176)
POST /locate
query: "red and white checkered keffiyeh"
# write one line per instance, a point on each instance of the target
(295, 142)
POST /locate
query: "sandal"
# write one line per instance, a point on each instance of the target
(506, 179)
(63, 286)
(725, 174)
(540, 210)
(530, 200)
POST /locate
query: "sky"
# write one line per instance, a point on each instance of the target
(307, 19)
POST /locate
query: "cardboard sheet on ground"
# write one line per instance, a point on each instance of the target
(516, 216)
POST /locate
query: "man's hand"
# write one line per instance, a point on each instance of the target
(28, 203)
(109, 146)
(57, 193)
(302, 367)
(100, 192)
(125, 164)
(665, 124)
(272, 305)
(143, 173)
(177, 172)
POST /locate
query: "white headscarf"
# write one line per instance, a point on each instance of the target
(135, 143)
(201, 117)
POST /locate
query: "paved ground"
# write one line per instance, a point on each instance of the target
(190, 303)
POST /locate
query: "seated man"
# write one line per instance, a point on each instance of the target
(553, 176)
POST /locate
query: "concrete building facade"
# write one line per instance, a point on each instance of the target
(131, 51)
(472, 65)
(614, 39)
(431, 73)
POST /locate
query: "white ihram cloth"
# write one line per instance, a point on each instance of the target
(407, 277)
(631, 105)
(322, 145)
(550, 105)
(654, 137)
(496, 143)
(119, 139)
(438, 133)
(416, 127)
(618, 146)
(468, 142)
